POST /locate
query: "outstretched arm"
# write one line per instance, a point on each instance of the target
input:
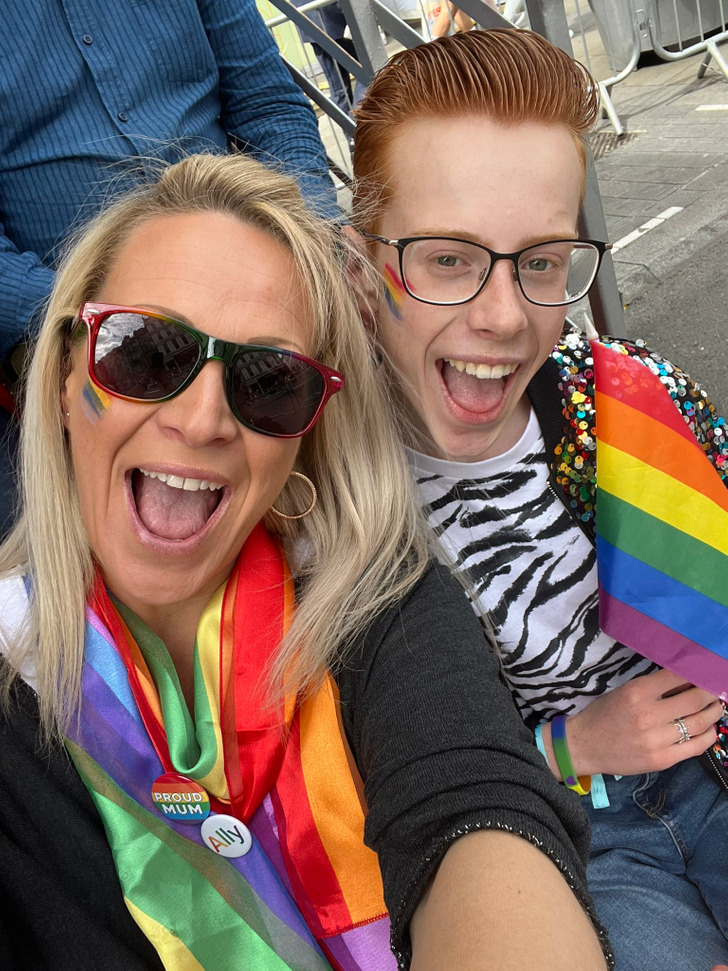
(485, 909)
(462, 809)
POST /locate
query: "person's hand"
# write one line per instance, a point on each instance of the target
(635, 727)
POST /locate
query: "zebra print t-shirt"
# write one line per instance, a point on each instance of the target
(534, 572)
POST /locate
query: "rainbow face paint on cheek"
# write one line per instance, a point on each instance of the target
(394, 291)
(95, 401)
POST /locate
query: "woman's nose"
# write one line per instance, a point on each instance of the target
(201, 416)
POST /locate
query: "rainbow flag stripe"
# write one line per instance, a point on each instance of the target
(662, 527)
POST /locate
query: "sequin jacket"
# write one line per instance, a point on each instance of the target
(562, 395)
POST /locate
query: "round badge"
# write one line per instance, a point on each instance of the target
(226, 835)
(180, 799)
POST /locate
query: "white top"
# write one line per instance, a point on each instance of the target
(13, 616)
(534, 573)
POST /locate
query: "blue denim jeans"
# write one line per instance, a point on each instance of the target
(659, 869)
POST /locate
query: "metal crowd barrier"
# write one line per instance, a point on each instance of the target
(608, 30)
(368, 19)
(688, 27)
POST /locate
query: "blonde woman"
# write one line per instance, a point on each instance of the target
(222, 637)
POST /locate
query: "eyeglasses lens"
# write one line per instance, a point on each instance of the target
(143, 357)
(275, 392)
(444, 270)
(449, 271)
(557, 273)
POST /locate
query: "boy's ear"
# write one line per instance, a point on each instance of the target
(362, 277)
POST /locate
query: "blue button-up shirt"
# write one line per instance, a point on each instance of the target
(88, 86)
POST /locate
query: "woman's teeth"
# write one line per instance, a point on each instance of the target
(482, 370)
(178, 482)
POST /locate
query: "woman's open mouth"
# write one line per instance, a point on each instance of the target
(174, 507)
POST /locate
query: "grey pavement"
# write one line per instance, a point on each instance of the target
(664, 191)
(674, 155)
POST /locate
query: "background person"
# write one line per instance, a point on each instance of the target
(333, 22)
(497, 407)
(151, 621)
(90, 88)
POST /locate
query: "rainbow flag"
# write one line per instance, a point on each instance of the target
(662, 527)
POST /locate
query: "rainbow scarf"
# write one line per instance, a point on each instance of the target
(662, 527)
(308, 895)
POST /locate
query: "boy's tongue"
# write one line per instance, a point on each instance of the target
(172, 513)
(471, 393)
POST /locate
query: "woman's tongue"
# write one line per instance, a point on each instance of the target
(471, 393)
(172, 513)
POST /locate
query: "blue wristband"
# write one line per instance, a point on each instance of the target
(538, 735)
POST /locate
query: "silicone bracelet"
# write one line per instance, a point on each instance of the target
(580, 784)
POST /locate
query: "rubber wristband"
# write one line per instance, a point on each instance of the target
(580, 784)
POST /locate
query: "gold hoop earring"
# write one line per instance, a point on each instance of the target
(312, 505)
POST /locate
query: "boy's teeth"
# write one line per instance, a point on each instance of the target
(482, 370)
(178, 482)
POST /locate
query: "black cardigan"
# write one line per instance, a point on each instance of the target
(439, 744)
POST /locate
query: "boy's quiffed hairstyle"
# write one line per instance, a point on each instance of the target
(507, 75)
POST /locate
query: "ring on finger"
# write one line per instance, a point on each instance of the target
(682, 728)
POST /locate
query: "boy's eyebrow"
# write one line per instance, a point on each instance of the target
(474, 238)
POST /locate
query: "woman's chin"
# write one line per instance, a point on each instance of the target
(152, 590)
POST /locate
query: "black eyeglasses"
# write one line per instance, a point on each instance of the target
(142, 356)
(445, 271)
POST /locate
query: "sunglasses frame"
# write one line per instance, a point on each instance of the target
(93, 314)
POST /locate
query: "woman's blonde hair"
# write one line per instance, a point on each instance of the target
(365, 541)
(509, 76)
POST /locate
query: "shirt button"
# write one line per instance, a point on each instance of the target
(122, 116)
(87, 39)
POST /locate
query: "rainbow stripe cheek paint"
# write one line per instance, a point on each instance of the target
(394, 291)
(95, 401)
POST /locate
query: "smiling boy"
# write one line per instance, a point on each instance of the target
(470, 161)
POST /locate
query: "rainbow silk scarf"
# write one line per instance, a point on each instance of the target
(308, 895)
(662, 527)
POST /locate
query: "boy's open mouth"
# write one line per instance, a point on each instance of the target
(475, 387)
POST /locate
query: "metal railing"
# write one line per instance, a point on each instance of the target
(611, 32)
(690, 27)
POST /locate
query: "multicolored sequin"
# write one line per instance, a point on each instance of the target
(575, 456)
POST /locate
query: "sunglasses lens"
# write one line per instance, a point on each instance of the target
(141, 357)
(275, 392)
